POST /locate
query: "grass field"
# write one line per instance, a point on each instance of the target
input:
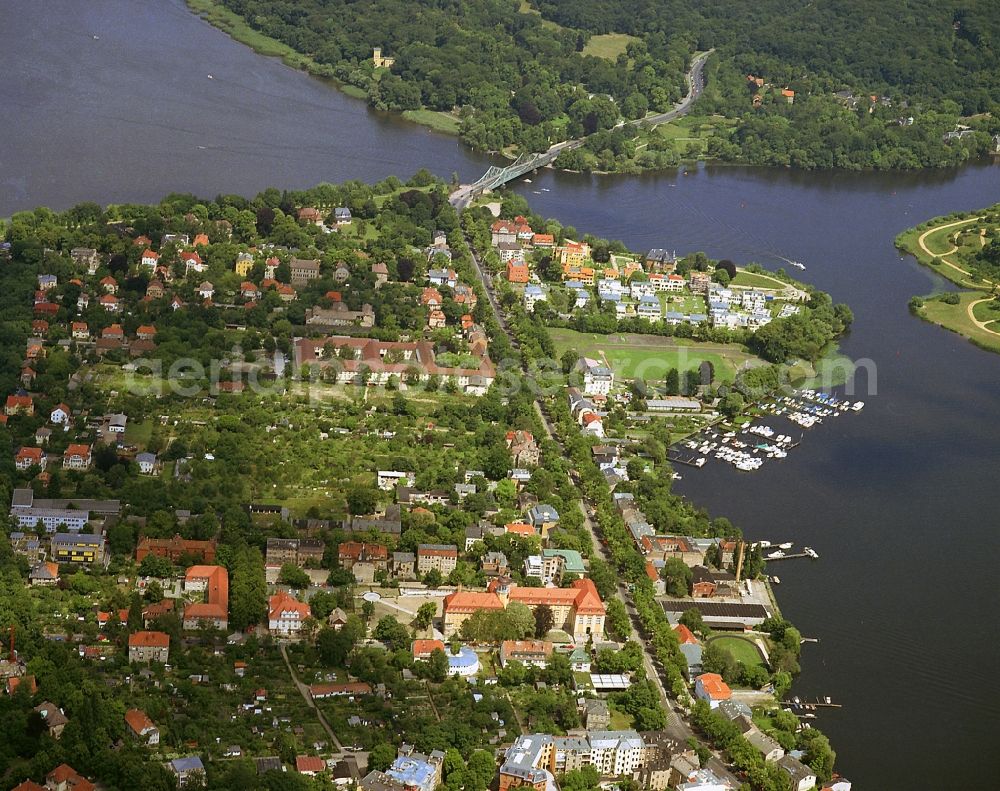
(754, 280)
(609, 46)
(650, 356)
(743, 650)
(956, 319)
(436, 120)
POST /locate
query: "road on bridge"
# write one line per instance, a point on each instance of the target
(463, 196)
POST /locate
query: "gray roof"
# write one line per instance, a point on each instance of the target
(192, 764)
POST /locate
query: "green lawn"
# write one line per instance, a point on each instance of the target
(619, 720)
(754, 280)
(436, 120)
(742, 649)
(683, 303)
(651, 356)
(956, 319)
(138, 432)
(608, 46)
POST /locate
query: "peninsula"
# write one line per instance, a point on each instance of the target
(964, 248)
(294, 506)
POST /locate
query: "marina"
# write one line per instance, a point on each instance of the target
(748, 447)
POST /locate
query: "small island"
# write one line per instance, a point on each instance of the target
(965, 249)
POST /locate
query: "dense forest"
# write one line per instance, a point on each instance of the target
(875, 85)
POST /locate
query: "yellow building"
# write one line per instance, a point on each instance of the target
(244, 263)
(380, 61)
(574, 254)
(77, 548)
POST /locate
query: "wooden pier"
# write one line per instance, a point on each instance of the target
(812, 704)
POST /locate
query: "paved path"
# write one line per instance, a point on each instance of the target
(982, 325)
(304, 690)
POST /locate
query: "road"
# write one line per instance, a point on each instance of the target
(304, 690)
(676, 725)
(695, 77)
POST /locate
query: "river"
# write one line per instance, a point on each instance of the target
(898, 499)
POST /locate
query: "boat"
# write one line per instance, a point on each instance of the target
(858, 406)
(776, 580)
(775, 555)
(811, 552)
(211, 77)
(527, 181)
(786, 545)
(763, 544)
(827, 699)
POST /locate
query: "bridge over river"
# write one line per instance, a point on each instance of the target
(497, 176)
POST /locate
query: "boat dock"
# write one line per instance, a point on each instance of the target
(788, 557)
(809, 705)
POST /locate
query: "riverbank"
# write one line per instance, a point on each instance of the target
(950, 246)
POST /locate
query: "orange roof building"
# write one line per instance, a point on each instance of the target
(520, 529)
(148, 647)
(286, 614)
(66, 777)
(684, 635)
(577, 610)
(309, 765)
(517, 272)
(711, 687)
(424, 648)
(214, 581)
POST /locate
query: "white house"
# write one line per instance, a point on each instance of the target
(60, 414)
(443, 277)
(649, 308)
(532, 295)
(286, 615)
(597, 379)
(388, 479)
(150, 259)
(146, 462)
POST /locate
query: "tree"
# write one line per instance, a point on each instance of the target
(425, 615)
(391, 632)
(544, 620)
(604, 577)
(367, 609)
(732, 404)
(433, 578)
(617, 620)
(293, 576)
(361, 500)
(437, 666)
(381, 757)
(677, 576)
(334, 645)
(155, 566)
(672, 383)
(154, 591)
(692, 620)
(568, 360)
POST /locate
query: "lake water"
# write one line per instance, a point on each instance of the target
(898, 500)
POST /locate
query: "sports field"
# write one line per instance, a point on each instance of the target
(649, 357)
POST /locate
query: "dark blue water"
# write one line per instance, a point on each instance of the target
(899, 500)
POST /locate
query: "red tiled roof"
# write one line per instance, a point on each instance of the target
(309, 763)
(148, 640)
(424, 648)
(138, 721)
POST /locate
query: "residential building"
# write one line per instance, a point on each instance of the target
(188, 771)
(44, 573)
(349, 553)
(19, 405)
(388, 480)
(533, 759)
(403, 565)
(415, 771)
(596, 714)
(598, 379)
(495, 564)
(300, 551)
(532, 653)
(213, 582)
(543, 518)
(801, 776)
(345, 690)
(142, 727)
(53, 716)
(443, 557)
(303, 270)
(174, 548)
(710, 687)
(27, 458)
(148, 647)
(65, 778)
(533, 295)
(286, 615)
(309, 765)
(764, 744)
(77, 457)
(244, 264)
(77, 548)
(147, 462)
(518, 272)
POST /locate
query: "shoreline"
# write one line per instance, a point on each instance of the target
(952, 310)
(234, 26)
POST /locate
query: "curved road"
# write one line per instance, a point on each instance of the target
(695, 77)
